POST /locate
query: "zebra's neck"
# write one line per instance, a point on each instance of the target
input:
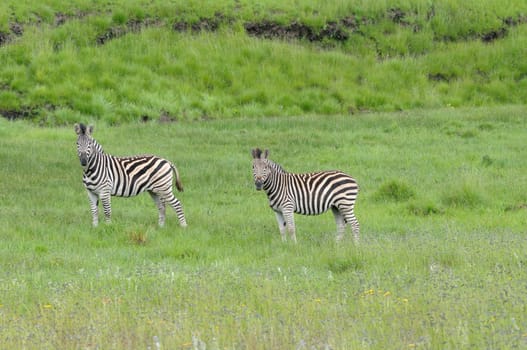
(96, 159)
(98, 148)
(94, 163)
(271, 181)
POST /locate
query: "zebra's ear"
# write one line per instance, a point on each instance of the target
(256, 153)
(265, 154)
(89, 130)
(78, 129)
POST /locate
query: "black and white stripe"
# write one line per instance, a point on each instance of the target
(307, 194)
(106, 176)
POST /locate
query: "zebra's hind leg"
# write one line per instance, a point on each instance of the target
(160, 207)
(341, 223)
(349, 216)
(176, 204)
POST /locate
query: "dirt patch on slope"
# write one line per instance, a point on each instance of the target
(297, 30)
(132, 26)
(208, 24)
(22, 113)
(15, 29)
(338, 30)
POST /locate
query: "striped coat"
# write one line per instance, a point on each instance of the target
(307, 194)
(105, 176)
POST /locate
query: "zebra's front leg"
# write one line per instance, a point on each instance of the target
(106, 205)
(290, 223)
(281, 224)
(94, 201)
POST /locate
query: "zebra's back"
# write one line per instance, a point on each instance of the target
(133, 175)
(315, 193)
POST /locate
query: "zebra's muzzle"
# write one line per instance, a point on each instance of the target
(258, 185)
(84, 161)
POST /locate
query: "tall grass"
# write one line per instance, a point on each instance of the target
(212, 75)
(95, 64)
(443, 267)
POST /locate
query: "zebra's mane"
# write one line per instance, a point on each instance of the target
(97, 145)
(276, 167)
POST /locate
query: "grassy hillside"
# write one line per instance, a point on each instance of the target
(139, 60)
(442, 262)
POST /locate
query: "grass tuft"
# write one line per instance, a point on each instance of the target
(463, 196)
(424, 208)
(394, 190)
(345, 264)
(138, 238)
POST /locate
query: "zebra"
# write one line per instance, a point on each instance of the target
(105, 176)
(307, 194)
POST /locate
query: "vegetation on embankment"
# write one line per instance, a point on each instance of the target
(141, 60)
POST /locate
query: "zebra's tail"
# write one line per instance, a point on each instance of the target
(179, 185)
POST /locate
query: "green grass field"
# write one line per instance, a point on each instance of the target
(441, 264)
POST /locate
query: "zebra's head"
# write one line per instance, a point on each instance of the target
(86, 145)
(261, 168)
